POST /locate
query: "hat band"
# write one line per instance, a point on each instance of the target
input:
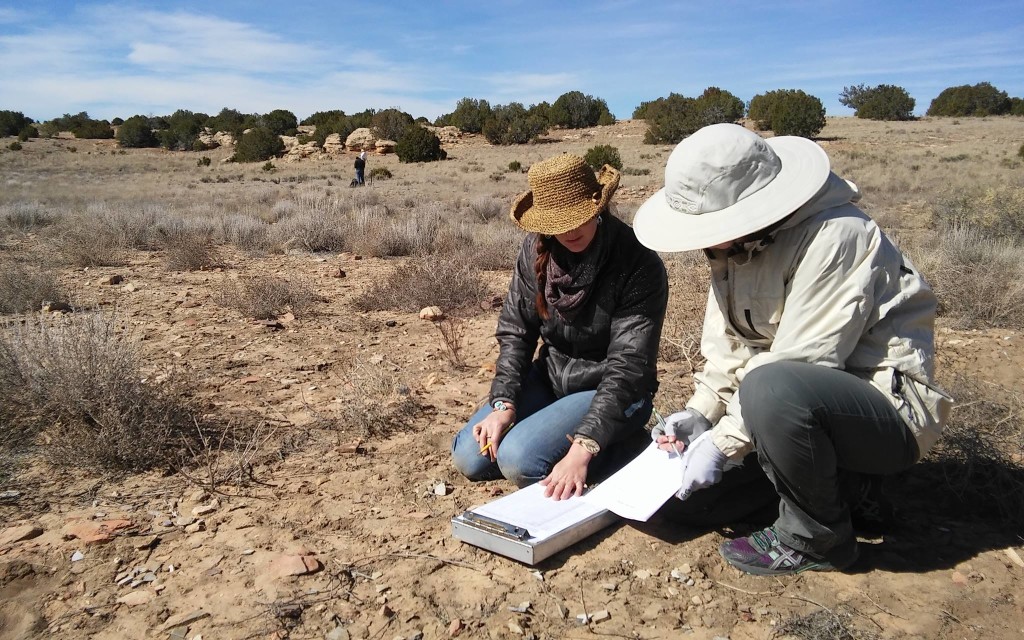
(680, 204)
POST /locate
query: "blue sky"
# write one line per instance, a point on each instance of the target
(120, 59)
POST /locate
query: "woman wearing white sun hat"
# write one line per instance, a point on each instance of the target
(818, 336)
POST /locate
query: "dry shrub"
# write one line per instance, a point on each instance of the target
(493, 247)
(314, 231)
(823, 624)
(376, 402)
(379, 233)
(266, 297)
(26, 289)
(689, 279)
(245, 232)
(486, 208)
(996, 211)
(26, 217)
(190, 251)
(81, 241)
(453, 337)
(980, 458)
(978, 277)
(78, 381)
(446, 281)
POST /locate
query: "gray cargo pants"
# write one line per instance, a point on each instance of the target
(809, 424)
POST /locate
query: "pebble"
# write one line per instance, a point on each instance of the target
(601, 616)
(77, 556)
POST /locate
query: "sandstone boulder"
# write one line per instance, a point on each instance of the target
(385, 146)
(362, 139)
(333, 145)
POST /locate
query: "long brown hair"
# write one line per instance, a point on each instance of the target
(540, 267)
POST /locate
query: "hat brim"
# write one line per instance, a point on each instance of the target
(553, 222)
(805, 170)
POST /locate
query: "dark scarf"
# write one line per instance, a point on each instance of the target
(571, 276)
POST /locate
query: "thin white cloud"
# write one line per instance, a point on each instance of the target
(529, 87)
(10, 15)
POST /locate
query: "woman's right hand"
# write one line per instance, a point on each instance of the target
(490, 430)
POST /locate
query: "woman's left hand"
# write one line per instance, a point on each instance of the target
(569, 476)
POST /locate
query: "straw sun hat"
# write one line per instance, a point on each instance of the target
(725, 182)
(564, 193)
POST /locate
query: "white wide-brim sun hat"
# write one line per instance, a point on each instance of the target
(725, 182)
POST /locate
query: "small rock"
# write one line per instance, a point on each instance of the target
(582, 618)
(77, 556)
(431, 313)
(391, 323)
(131, 287)
(561, 610)
(385, 611)
(115, 279)
(959, 578)
(183, 521)
(56, 307)
(652, 612)
(338, 273)
(10, 495)
(442, 489)
(196, 527)
(294, 565)
(135, 598)
(609, 586)
(146, 542)
(514, 627)
(696, 600)
(338, 633)
(248, 552)
(601, 616)
(641, 574)
(523, 607)
(455, 628)
(183, 619)
(205, 509)
(17, 534)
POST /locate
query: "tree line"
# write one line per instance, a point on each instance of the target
(669, 119)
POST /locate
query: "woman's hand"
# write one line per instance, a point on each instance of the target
(489, 431)
(569, 476)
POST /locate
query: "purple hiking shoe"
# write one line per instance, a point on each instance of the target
(763, 554)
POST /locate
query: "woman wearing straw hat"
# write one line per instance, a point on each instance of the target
(595, 298)
(818, 336)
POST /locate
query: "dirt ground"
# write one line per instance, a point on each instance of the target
(339, 535)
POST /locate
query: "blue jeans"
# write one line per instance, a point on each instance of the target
(359, 176)
(538, 440)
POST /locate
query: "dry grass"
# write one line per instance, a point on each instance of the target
(376, 402)
(978, 277)
(444, 281)
(689, 280)
(78, 382)
(25, 288)
(267, 297)
(190, 251)
(980, 457)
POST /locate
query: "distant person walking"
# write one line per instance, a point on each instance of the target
(361, 168)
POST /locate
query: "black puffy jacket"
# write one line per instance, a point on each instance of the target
(611, 345)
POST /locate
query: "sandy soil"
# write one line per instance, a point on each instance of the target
(344, 536)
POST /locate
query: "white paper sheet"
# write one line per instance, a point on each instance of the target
(640, 488)
(542, 517)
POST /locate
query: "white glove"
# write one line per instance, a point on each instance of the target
(703, 463)
(684, 425)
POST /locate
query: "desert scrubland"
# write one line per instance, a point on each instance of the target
(222, 415)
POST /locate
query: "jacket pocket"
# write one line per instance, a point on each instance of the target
(924, 408)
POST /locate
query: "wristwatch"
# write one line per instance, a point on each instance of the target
(588, 444)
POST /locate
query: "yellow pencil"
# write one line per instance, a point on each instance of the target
(487, 446)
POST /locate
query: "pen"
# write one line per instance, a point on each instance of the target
(665, 429)
(487, 446)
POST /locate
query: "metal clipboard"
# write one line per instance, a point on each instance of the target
(516, 542)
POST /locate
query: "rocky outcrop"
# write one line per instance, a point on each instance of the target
(447, 135)
(385, 146)
(362, 139)
(333, 145)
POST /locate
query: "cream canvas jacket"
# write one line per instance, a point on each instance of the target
(828, 288)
